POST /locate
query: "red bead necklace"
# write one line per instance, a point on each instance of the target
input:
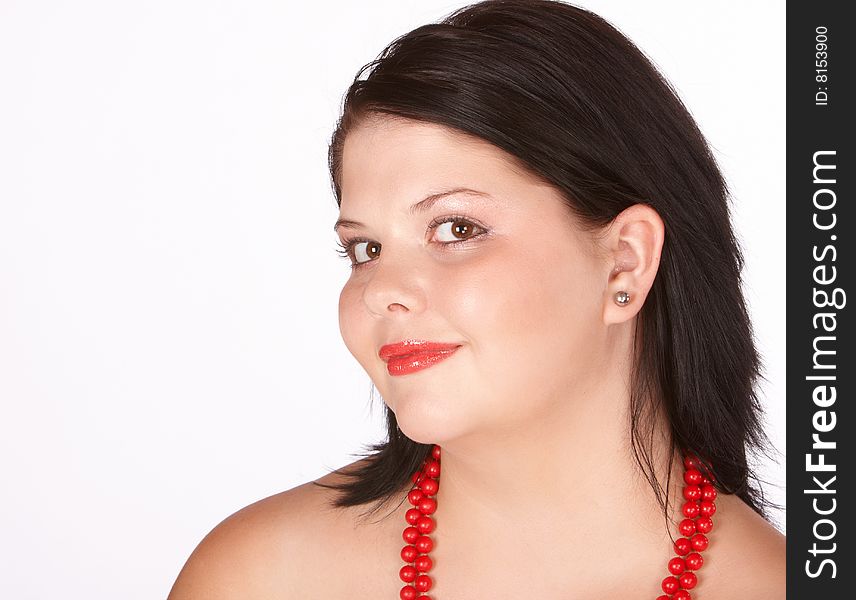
(700, 505)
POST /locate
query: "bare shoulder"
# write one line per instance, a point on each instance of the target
(274, 548)
(750, 558)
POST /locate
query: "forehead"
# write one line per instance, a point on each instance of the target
(390, 163)
(387, 158)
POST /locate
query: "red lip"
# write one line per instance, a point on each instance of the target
(407, 347)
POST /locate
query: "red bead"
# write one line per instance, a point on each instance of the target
(407, 573)
(694, 561)
(410, 535)
(432, 469)
(425, 524)
(414, 496)
(687, 527)
(429, 486)
(670, 584)
(707, 508)
(691, 492)
(422, 583)
(427, 506)
(691, 509)
(409, 554)
(688, 580)
(424, 544)
(677, 566)
(424, 563)
(692, 476)
(682, 546)
(699, 542)
(698, 508)
(704, 524)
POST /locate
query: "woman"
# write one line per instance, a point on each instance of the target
(546, 292)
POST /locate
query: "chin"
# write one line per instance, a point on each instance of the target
(426, 424)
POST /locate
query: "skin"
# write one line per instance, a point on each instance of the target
(531, 412)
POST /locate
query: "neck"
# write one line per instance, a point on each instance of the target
(562, 490)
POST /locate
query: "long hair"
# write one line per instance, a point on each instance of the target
(574, 100)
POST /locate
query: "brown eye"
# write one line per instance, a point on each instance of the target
(367, 252)
(458, 229)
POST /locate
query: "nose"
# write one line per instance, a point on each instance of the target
(394, 286)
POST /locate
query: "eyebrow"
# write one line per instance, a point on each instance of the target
(426, 203)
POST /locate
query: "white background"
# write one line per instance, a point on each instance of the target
(169, 343)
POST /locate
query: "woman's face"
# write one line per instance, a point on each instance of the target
(522, 293)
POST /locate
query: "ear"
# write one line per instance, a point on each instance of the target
(634, 242)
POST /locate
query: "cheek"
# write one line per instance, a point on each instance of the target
(530, 318)
(353, 323)
(521, 297)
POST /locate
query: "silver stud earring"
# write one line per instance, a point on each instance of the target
(621, 298)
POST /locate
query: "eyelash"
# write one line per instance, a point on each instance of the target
(347, 244)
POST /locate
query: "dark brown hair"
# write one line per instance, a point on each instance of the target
(574, 100)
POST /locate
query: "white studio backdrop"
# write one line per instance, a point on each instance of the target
(169, 343)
